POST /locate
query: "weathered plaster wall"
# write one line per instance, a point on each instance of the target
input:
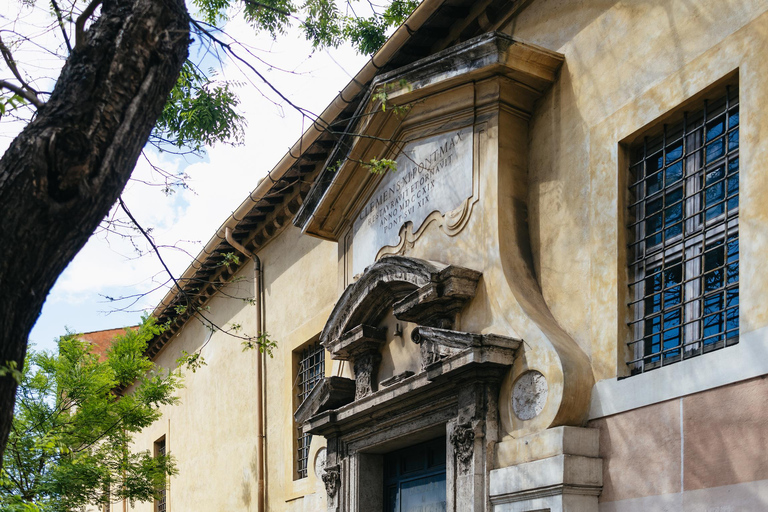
(216, 410)
(626, 64)
(300, 287)
(212, 432)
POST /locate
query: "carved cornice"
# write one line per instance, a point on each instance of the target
(437, 344)
(330, 393)
(359, 340)
(387, 282)
(438, 302)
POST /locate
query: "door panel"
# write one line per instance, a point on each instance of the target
(414, 478)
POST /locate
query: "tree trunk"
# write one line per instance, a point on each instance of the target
(61, 175)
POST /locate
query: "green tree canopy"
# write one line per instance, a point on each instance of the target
(124, 65)
(70, 441)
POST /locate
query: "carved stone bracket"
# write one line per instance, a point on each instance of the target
(437, 344)
(366, 367)
(332, 480)
(463, 440)
(361, 346)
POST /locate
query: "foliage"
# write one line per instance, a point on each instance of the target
(322, 21)
(200, 112)
(369, 34)
(262, 342)
(70, 443)
(381, 166)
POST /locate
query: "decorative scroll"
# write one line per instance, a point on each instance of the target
(463, 441)
(332, 480)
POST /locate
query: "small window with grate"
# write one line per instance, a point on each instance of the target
(310, 369)
(684, 237)
(160, 501)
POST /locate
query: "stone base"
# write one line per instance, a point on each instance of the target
(557, 470)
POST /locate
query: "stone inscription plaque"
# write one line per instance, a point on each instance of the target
(433, 174)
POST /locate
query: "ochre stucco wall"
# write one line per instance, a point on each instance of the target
(212, 431)
(627, 63)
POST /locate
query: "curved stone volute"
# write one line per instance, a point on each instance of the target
(382, 284)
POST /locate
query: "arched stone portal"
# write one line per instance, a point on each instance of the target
(454, 394)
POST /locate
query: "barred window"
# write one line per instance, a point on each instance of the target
(684, 237)
(309, 371)
(161, 494)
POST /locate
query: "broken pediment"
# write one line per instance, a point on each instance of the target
(438, 344)
(423, 291)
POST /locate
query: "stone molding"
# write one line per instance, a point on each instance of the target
(437, 344)
(330, 393)
(546, 468)
(418, 291)
(357, 341)
(437, 302)
(368, 299)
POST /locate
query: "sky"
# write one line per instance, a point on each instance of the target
(182, 223)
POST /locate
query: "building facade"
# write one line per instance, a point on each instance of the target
(544, 307)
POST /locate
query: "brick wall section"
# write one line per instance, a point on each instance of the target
(101, 340)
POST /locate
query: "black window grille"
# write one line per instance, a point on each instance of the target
(310, 371)
(161, 493)
(684, 237)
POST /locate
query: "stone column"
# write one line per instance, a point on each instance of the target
(472, 437)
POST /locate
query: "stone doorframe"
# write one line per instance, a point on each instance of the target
(455, 394)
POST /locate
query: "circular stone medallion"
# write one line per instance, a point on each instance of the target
(529, 394)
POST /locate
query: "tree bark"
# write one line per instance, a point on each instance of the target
(61, 175)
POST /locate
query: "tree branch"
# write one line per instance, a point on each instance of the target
(80, 23)
(24, 93)
(61, 24)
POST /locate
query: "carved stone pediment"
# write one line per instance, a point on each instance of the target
(420, 291)
(417, 289)
(437, 344)
(438, 302)
(330, 393)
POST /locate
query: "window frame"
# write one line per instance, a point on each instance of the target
(160, 450)
(700, 234)
(304, 380)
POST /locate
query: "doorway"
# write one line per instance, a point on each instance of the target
(414, 478)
